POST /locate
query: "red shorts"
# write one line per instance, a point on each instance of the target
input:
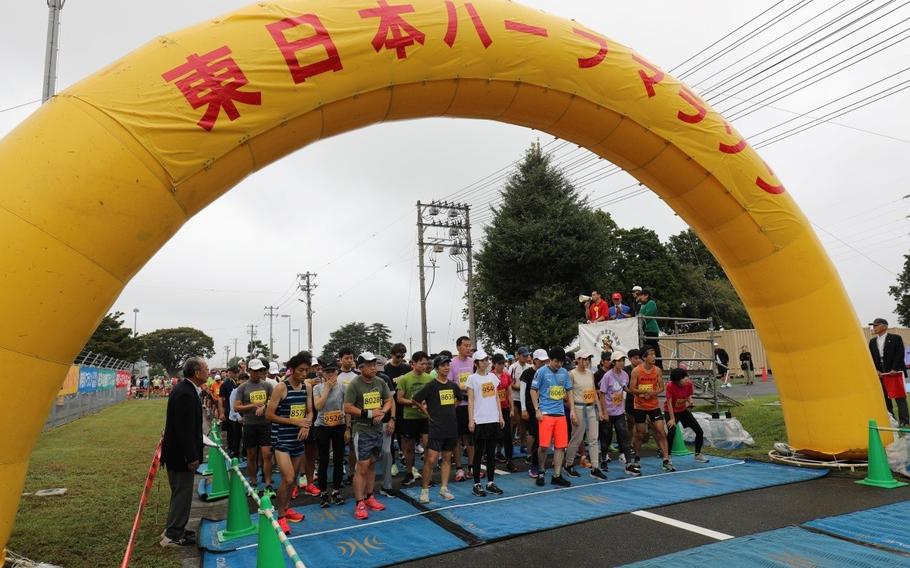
(553, 428)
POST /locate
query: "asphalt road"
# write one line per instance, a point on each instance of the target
(628, 538)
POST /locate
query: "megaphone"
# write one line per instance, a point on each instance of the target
(582, 299)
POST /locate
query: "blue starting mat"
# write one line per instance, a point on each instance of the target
(332, 537)
(784, 548)
(551, 506)
(885, 527)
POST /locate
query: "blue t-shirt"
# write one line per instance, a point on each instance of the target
(551, 389)
(624, 312)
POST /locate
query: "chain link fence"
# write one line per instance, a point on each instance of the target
(95, 381)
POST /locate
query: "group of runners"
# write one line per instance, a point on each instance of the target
(463, 412)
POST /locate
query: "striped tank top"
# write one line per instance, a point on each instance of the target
(294, 405)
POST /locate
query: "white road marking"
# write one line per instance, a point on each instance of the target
(683, 525)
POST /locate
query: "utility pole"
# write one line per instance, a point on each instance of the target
(289, 333)
(227, 355)
(444, 225)
(252, 330)
(135, 318)
(273, 311)
(297, 331)
(50, 56)
(236, 353)
(307, 285)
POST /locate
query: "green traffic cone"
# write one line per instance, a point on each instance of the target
(216, 433)
(238, 520)
(220, 486)
(679, 445)
(268, 552)
(879, 472)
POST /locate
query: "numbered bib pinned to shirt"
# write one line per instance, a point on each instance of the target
(617, 398)
(588, 396)
(298, 411)
(446, 397)
(371, 400)
(258, 397)
(488, 390)
(463, 378)
(557, 392)
(501, 394)
(332, 418)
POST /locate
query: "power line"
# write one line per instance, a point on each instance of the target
(14, 107)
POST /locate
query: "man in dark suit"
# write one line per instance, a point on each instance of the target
(181, 450)
(888, 355)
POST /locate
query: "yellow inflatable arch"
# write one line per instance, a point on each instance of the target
(103, 175)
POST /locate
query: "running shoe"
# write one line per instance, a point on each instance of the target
(311, 489)
(571, 471)
(415, 472)
(533, 472)
(387, 492)
(492, 488)
(424, 496)
(479, 490)
(337, 498)
(459, 474)
(374, 503)
(500, 457)
(605, 466)
(293, 516)
(540, 480)
(584, 463)
(633, 469)
(408, 480)
(560, 481)
(622, 458)
(294, 492)
(324, 499)
(701, 458)
(418, 449)
(283, 523)
(360, 511)
(596, 473)
(668, 467)
(511, 467)
(182, 541)
(394, 470)
(445, 494)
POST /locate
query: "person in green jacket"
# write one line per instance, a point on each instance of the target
(652, 330)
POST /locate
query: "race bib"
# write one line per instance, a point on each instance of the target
(617, 398)
(371, 400)
(557, 392)
(463, 378)
(647, 387)
(298, 411)
(502, 395)
(446, 397)
(588, 396)
(487, 390)
(258, 397)
(332, 418)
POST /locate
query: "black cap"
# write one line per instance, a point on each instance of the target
(441, 360)
(880, 321)
(498, 358)
(329, 367)
(605, 355)
(556, 353)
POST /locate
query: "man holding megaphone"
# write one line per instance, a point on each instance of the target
(595, 307)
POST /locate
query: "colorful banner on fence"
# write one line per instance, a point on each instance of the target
(107, 379)
(616, 335)
(71, 382)
(123, 379)
(88, 379)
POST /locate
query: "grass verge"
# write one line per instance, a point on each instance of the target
(763, 420)
(102, 460)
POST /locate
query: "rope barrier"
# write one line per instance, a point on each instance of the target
(267, 513)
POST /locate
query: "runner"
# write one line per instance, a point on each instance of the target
(366, 401)
(347, 374)
(388, 437)
(415, 426)
(503, 392)
(288, 411)
(614, 384)
(394, 369)
(516, 369)
(229, 427)
(311, 446)
(331, 434)
(550, 389)
(484, 421)
(676, 409)
(634, 360)
(586, 423)
(528, 414)
(646, 384)
(437, 401)
(460, 369)
(252, 398)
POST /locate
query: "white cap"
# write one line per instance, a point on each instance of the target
(256, 364)
(541, 355)
(217, 377)
(582, 354)
(480, 355)
(273, 368)
(365, 357)
(617, 355)
(636, 288)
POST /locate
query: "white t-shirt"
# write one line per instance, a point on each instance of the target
(515, 371)
(345, 377)
(486, 403)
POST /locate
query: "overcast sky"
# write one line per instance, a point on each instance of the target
(848, 177)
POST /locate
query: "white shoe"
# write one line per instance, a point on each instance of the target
(416, 473)
(701, 458)
(424, 496)
(445, 494)
(622, 458)
(394, 470)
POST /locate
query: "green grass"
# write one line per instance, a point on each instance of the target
(765, 423)
(102, 460)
